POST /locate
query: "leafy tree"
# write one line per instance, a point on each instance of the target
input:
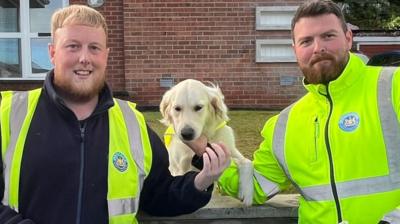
(372, 14)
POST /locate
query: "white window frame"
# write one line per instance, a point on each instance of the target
(25, 36)
(265, 17)
(263, 45)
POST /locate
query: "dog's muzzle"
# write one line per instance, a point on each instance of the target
(187, 133)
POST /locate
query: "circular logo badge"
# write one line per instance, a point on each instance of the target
(120, 162)
(349, 122)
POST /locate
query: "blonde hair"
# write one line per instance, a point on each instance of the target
(77, 15)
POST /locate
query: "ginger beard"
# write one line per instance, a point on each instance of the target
(78, 89)
(324, 67)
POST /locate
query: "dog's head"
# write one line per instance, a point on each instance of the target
(193, 108)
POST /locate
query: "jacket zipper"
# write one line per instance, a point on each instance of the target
(328, 148)
(316, 137)
(82, 166)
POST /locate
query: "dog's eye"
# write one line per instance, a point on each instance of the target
(178, 108)
(197, 108)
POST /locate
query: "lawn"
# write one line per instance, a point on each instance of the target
(247, 125)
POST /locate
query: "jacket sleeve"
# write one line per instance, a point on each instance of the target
(165, 195)
(268, 177)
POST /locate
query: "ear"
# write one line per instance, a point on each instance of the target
(165, 106)
(108, 52)
(349, 38)
(52, 51)
(217, 102)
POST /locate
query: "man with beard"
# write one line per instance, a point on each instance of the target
(339, 145)
(74, 154)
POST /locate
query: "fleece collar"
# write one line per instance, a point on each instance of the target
(353, 71)
(105, 96)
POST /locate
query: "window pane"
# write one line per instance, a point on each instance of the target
(9, 16)
(40, 57)
(40, 13)
(10, 64)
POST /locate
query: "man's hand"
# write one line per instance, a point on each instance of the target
(215, 161)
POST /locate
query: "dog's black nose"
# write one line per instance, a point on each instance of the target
(187, 133)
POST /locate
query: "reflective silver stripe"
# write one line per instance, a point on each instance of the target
(270, 188)
(392, 217)
(135, 138)
(278, 143)
(19, 108)
(391, 135)
(351, 188)
(130, 205)
(121, 207)
(390, 128)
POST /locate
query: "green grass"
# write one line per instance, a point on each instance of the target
(247, 125)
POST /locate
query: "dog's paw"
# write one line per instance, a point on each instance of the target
(246, 188)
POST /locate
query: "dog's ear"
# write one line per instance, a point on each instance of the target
(165, 106)
(217, 102)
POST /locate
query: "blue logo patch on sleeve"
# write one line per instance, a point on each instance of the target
(120, 162)
(349, 122)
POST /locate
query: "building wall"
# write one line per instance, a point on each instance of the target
(209, 40)
(205, 40)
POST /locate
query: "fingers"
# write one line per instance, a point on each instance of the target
(216, 159)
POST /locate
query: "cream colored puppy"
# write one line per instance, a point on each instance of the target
(194, 109)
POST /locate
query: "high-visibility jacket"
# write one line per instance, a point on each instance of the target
(129, 159)
(339, 145)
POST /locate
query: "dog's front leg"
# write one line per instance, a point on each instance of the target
(246, 188)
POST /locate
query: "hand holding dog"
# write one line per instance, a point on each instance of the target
(215, 161)
(198, 145)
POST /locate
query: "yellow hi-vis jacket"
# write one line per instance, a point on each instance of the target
(129, 144)
(339, 145)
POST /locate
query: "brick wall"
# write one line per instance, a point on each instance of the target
(209, 40)
(205, 40)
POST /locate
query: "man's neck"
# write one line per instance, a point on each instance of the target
(82, 110)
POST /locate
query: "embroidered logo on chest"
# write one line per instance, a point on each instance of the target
(120, 162)
(349, 122)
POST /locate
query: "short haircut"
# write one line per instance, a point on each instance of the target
(77, 15)
(314, 8)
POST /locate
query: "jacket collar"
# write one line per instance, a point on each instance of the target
(105, 97)
(351, 73)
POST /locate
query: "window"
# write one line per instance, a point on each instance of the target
(275, 50)
(274, 17)
(24, 36)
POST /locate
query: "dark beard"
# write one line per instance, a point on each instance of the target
(325, 74)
